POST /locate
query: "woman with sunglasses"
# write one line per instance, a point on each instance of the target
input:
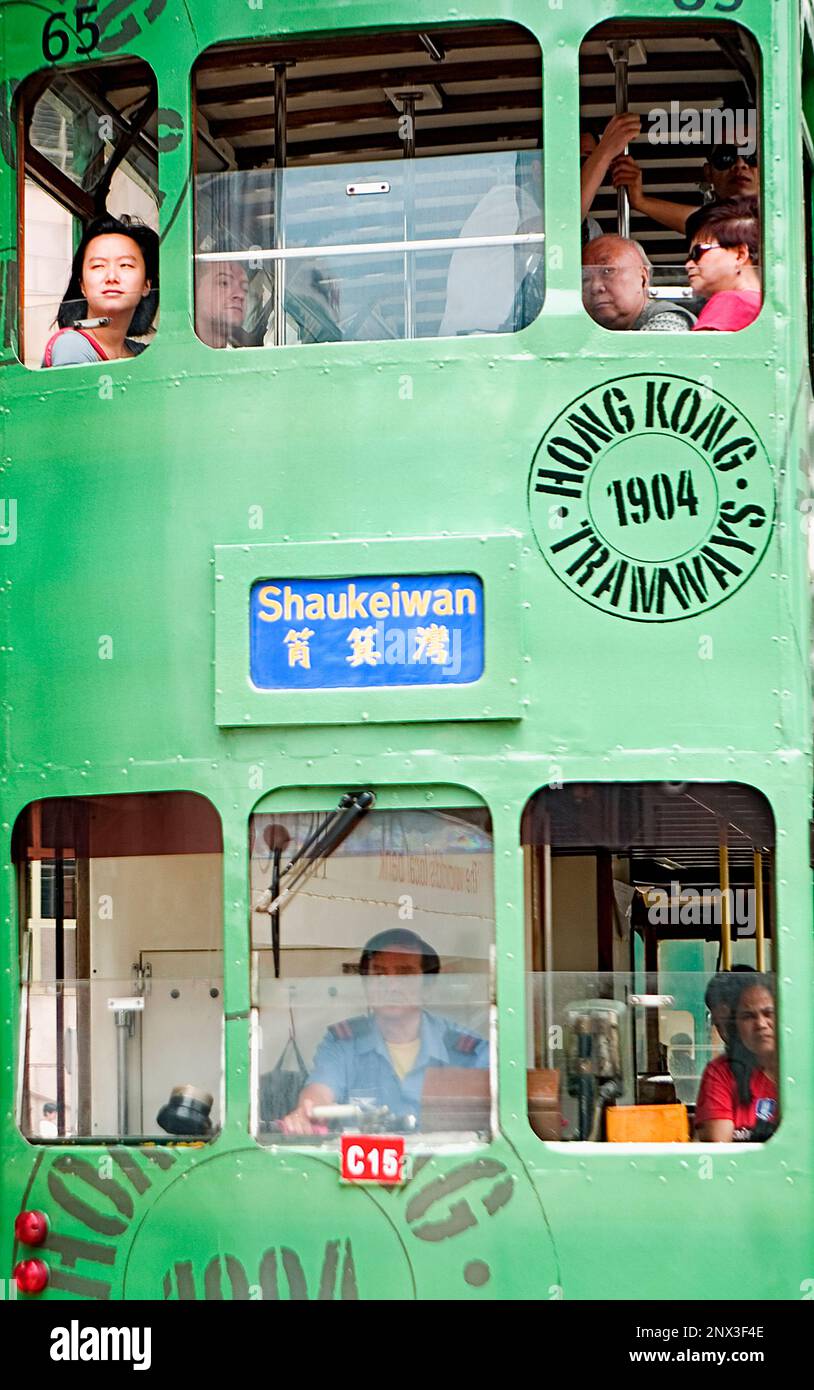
(722, 266)
(730, 172)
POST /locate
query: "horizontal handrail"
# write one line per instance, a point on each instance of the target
(294, 253)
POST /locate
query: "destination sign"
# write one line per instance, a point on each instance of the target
(404, 630)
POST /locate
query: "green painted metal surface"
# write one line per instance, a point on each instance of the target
(120, 504)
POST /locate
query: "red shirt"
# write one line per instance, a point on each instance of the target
(729, 310)
(718, 1098)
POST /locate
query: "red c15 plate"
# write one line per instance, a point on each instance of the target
(375, 1158)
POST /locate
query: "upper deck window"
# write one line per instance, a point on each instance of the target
(90, 163)
(670, 176)
(376, 186)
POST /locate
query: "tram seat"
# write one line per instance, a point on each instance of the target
(647, 1124)
(544, 1102)
(455, 1098)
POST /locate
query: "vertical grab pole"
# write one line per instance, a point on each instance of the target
(760, 940)
(621, 61)
(280, 156)
(726, 915)
(122, 1021)
(548, 948)
(408, 101)
(275, 916)
(59, 976)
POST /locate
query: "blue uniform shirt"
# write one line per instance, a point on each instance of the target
(353, 1061)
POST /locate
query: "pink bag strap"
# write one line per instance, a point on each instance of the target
(48, 357)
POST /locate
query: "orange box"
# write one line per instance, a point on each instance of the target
(647, 1124)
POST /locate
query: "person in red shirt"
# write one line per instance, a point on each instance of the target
(722, 266)
(738, 1099)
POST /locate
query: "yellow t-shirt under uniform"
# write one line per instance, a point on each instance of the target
(403, 1056)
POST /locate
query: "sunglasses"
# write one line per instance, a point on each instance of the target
(726, 155)
(700, 249)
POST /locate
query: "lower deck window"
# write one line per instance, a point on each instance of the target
(649, 937)
(372, 932)
(121, 967)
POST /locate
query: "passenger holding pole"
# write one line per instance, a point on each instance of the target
(597, 156)
(729, 172)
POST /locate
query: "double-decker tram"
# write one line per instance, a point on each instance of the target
(407, 760)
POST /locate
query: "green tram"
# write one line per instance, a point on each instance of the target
(387, 590)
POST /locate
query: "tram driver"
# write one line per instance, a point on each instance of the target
(615, 289)
(383, 1056)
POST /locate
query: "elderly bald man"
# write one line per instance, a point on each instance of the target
(615, 283)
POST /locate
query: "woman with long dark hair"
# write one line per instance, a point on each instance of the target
(738, 1096)
(112, 293)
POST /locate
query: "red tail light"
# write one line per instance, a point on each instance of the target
(31, 1227)
(30, 1276)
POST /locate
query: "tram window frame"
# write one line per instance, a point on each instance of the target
(122, 165)
(624, 907)
(808, 215)
(323, 305)
(729, 124)
(807, 156)
(107, 994)
(301, 1023)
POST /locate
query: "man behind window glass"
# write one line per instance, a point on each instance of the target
(383, 1056)
(615, 289)
(221, 288)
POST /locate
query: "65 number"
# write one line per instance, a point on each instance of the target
(725, 6)
(56, 40)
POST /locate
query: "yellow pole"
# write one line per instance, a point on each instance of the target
(760, 943)
(726, 916)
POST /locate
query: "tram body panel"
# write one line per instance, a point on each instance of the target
(126, 480)
(156, 613)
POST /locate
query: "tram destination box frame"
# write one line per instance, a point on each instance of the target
(497, 693)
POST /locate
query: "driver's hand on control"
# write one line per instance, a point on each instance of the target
(299, 1121)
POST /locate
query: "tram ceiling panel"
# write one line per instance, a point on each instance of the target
(651, 821)
(482, 76)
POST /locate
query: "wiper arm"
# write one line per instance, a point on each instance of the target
(320, 844)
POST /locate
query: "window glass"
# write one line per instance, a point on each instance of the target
(650, 928)
(89, 153)
(121, 966)
(371, 971)
(384, 186)
(670, 177)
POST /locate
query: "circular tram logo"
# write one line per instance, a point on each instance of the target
(652, 497)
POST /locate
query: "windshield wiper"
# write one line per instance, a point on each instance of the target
(318, 846)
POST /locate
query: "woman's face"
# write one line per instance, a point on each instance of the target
(114, 277)
(755, 1022)
(717, 267)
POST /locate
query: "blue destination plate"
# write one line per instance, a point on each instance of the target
(318, 634)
